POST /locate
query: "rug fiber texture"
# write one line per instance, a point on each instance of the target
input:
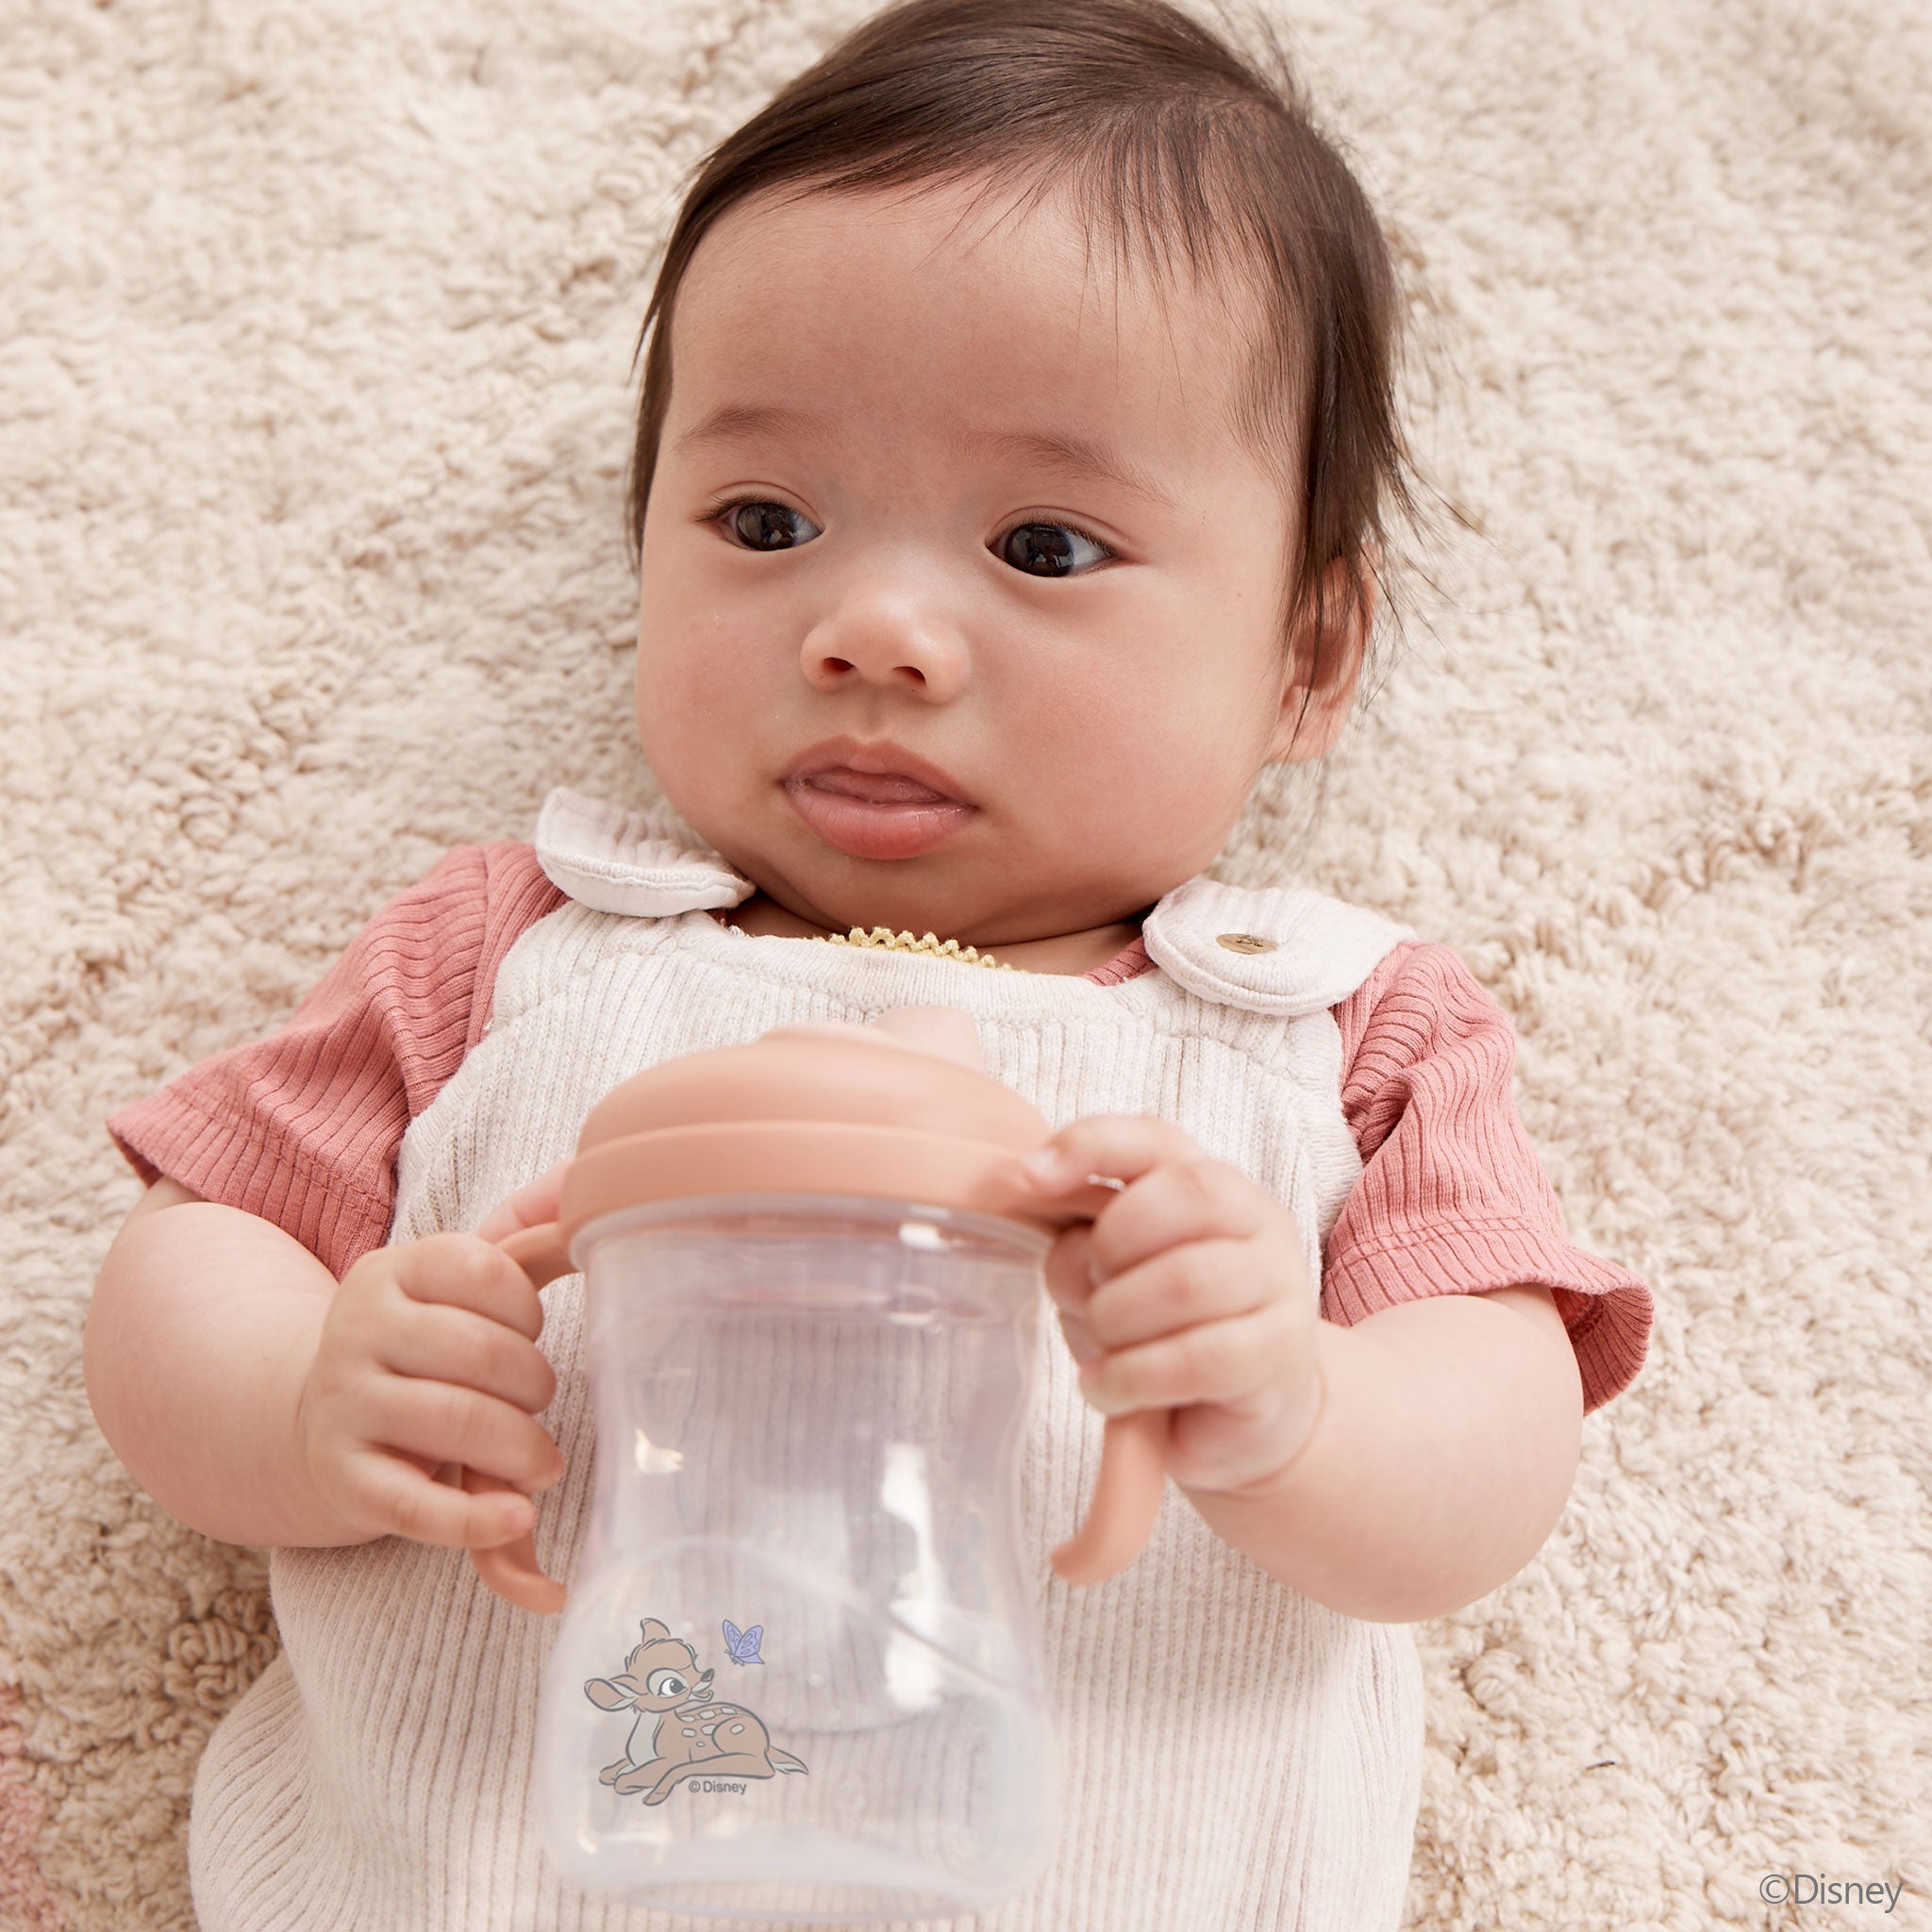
(316, 321)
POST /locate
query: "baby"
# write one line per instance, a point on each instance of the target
(1012, 460)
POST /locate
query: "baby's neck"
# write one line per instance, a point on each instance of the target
(1073, 953)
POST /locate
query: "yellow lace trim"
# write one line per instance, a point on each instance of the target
(904, 942)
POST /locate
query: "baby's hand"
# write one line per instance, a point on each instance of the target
(1199, 1299)
(429, 1360)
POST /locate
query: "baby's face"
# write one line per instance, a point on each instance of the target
(1093, 661)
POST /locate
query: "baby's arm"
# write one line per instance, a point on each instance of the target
(1440, 1462)
(202, 1325)
(263, 1402)
(261, 1398)
(1467, 1336)
(1454, 1404)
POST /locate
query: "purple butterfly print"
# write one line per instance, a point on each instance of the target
(744, 1644)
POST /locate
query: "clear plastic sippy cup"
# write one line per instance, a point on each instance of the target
(799, 1675)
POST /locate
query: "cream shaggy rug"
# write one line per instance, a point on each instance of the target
(315, 331)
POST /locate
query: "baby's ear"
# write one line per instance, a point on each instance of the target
(1329, 647)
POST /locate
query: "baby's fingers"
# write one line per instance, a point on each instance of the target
(1068, 1270)
(461, 1270)
(1211, 1361)
(401, 1501)
(443, 1421)
(537, 1201)
(455, 1345)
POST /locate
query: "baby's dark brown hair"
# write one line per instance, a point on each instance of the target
(1163, 133)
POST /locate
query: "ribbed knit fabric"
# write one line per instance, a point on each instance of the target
(302, 1127)
(1237, 1755)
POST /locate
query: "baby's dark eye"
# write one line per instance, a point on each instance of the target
(765, 526)
(1048, 550)
(1044, 550)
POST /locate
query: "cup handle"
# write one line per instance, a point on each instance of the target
(1126, 1499)
(510, 1568)
(1127, 1491)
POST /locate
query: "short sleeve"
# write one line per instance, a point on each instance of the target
(302, 1127)
(1452, 1198)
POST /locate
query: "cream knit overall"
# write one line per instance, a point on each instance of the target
(1237, 1755)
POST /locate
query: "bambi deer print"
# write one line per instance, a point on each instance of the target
(680, 1731)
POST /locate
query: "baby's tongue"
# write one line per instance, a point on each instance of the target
(878, 787)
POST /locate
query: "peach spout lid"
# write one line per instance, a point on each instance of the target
(886, 1111)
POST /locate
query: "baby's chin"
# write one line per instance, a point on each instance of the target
(960, 888)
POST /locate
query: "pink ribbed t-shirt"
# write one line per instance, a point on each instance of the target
(303, 1127)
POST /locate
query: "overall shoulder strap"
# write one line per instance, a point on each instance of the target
(613, 860)
(1273, 949)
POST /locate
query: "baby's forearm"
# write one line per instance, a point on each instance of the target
(203, 1324)
(1440, 1461)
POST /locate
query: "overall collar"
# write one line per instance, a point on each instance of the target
(1271, 949)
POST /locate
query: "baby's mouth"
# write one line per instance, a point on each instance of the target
(875, 787)
(876, 815)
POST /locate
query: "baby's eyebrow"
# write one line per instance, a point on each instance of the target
(1082, 455)
(1055, 449)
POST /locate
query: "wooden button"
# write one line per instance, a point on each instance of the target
(1246, 943)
